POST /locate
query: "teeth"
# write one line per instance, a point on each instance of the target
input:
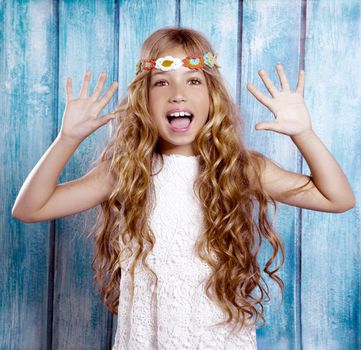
(179, 114)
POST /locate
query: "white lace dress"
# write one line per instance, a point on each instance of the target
(181, 316)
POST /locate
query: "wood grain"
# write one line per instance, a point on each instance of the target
(331, 243)
(43, 42)
(27, 82)
(271, 35)
(86, 41)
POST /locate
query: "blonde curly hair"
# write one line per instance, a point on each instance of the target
(229, 189)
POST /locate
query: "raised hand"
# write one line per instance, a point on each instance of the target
(291, 115)
(80, 115)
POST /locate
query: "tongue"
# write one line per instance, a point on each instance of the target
(180, 123)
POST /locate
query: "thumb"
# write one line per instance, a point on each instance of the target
(105, 119)
(267, 126)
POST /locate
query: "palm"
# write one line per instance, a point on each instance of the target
(85, 111)
(290, 111)
(80, 115)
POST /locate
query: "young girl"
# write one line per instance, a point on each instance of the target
(184, 202)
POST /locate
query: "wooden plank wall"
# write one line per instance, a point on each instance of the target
(270, 35)
(28, 100)
(86, 41)
(47, 299)
(331, 243)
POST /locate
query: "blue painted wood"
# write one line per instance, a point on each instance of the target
(331, 274)
(102, 37)
(27, 81)
(270, 35)
(86, 41)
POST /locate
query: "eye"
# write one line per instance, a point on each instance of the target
(159, 83)
(197, 80)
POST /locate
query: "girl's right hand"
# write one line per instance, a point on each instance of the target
(80, 115)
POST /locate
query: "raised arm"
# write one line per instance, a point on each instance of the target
(41, 198)
(327, 189)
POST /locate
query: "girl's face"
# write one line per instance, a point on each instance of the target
(178, 89)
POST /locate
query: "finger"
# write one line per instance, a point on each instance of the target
(85, 85)
(301, 82)
(69, 89)
(107, 96)
(104, 119)
(99, 86)
(258, 95)
(282, 77)
(268, 83)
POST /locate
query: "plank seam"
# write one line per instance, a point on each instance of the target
(239, 52)
(52, 226)
(300, 170)
(177, 13)
(116, 47)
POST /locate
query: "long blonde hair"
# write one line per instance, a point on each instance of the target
(229, 189)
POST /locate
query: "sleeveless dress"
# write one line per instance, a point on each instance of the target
(181, 315)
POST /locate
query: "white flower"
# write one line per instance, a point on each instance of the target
(168, 63)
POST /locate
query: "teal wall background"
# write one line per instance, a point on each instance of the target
(47, 297)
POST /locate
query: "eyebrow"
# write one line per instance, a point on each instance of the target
(166, 72)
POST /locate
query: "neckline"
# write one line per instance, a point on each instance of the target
(175, 155)
(187, 165)
(178, 158)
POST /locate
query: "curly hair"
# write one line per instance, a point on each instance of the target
(229, 188)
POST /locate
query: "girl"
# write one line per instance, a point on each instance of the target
(184, 202)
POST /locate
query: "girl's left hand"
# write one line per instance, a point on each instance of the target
(289, 108)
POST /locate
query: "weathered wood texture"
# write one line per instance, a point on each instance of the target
(48, 299)
(271, 35)
(28, 85)
(331, 243)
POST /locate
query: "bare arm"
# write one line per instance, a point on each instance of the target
(327, 175)
(40, 197)
(328, 188)
(323, 191)
(42, 180)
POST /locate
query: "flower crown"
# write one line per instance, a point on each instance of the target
(170, 62)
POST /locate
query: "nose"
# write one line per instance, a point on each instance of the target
(177, 98)
(177, 95)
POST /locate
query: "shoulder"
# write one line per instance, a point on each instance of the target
(286, 186)
(264, 168)
(256, 166)
(265, 174)
(105, 176)
(102, 171)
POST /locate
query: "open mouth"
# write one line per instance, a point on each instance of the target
(181, 122)
(180, 119)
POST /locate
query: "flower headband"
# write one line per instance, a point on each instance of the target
(170, 62)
